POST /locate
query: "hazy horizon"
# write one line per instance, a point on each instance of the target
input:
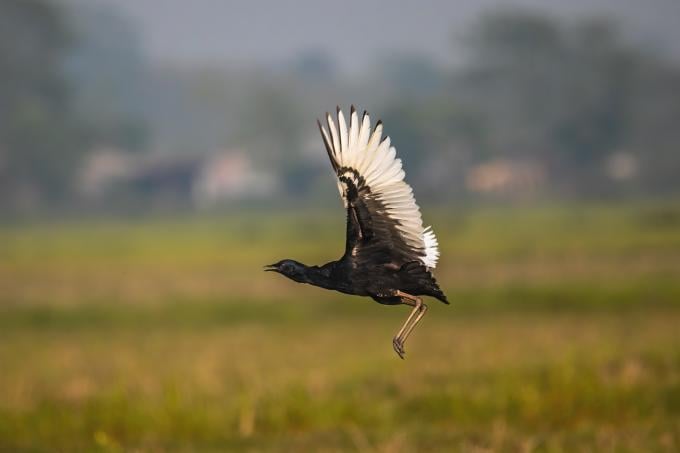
(267, 32)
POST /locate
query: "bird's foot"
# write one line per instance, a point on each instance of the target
(398, 346)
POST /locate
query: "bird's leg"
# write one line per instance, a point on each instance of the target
(418, 311)
(397, 341)
(422, 309)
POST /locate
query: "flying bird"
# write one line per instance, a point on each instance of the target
(389, 255)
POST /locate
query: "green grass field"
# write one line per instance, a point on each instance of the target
(165, 335)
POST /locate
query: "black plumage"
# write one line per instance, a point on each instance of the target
(388, 256)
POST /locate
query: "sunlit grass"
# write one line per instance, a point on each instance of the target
(564, 379)
(164, 334)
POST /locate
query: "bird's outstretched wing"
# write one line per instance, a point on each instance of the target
(384, 224)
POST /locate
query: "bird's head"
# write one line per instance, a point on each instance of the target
(290, 268)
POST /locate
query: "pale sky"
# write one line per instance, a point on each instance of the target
(353, 31)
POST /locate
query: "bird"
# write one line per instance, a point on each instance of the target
(389, 255)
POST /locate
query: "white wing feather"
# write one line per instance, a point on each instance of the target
(375, 160)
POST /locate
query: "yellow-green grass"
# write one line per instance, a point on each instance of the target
(165, 335)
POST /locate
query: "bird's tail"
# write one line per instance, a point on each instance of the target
(437, 292)
(418, 272)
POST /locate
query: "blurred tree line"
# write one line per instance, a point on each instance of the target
(66, 83)
(571, 96)
(41, 138)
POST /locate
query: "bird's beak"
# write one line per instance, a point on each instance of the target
(271, 268)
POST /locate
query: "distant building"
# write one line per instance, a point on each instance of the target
(102, 169)
(199, 179)
(516, 177)
(621, 166)
(230, 176)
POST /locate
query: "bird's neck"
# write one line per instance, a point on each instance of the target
(319, 276)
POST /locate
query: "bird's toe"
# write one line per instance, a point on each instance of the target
(398, 347)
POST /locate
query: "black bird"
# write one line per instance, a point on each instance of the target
(389, 255)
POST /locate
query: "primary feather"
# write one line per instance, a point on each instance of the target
(383, 217)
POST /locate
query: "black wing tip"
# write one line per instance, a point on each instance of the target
(352, 111)
(327, 145)
(352, 114)
(321, 130)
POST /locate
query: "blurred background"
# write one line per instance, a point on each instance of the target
(154, 155)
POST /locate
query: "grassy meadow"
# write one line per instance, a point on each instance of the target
(164, 334)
